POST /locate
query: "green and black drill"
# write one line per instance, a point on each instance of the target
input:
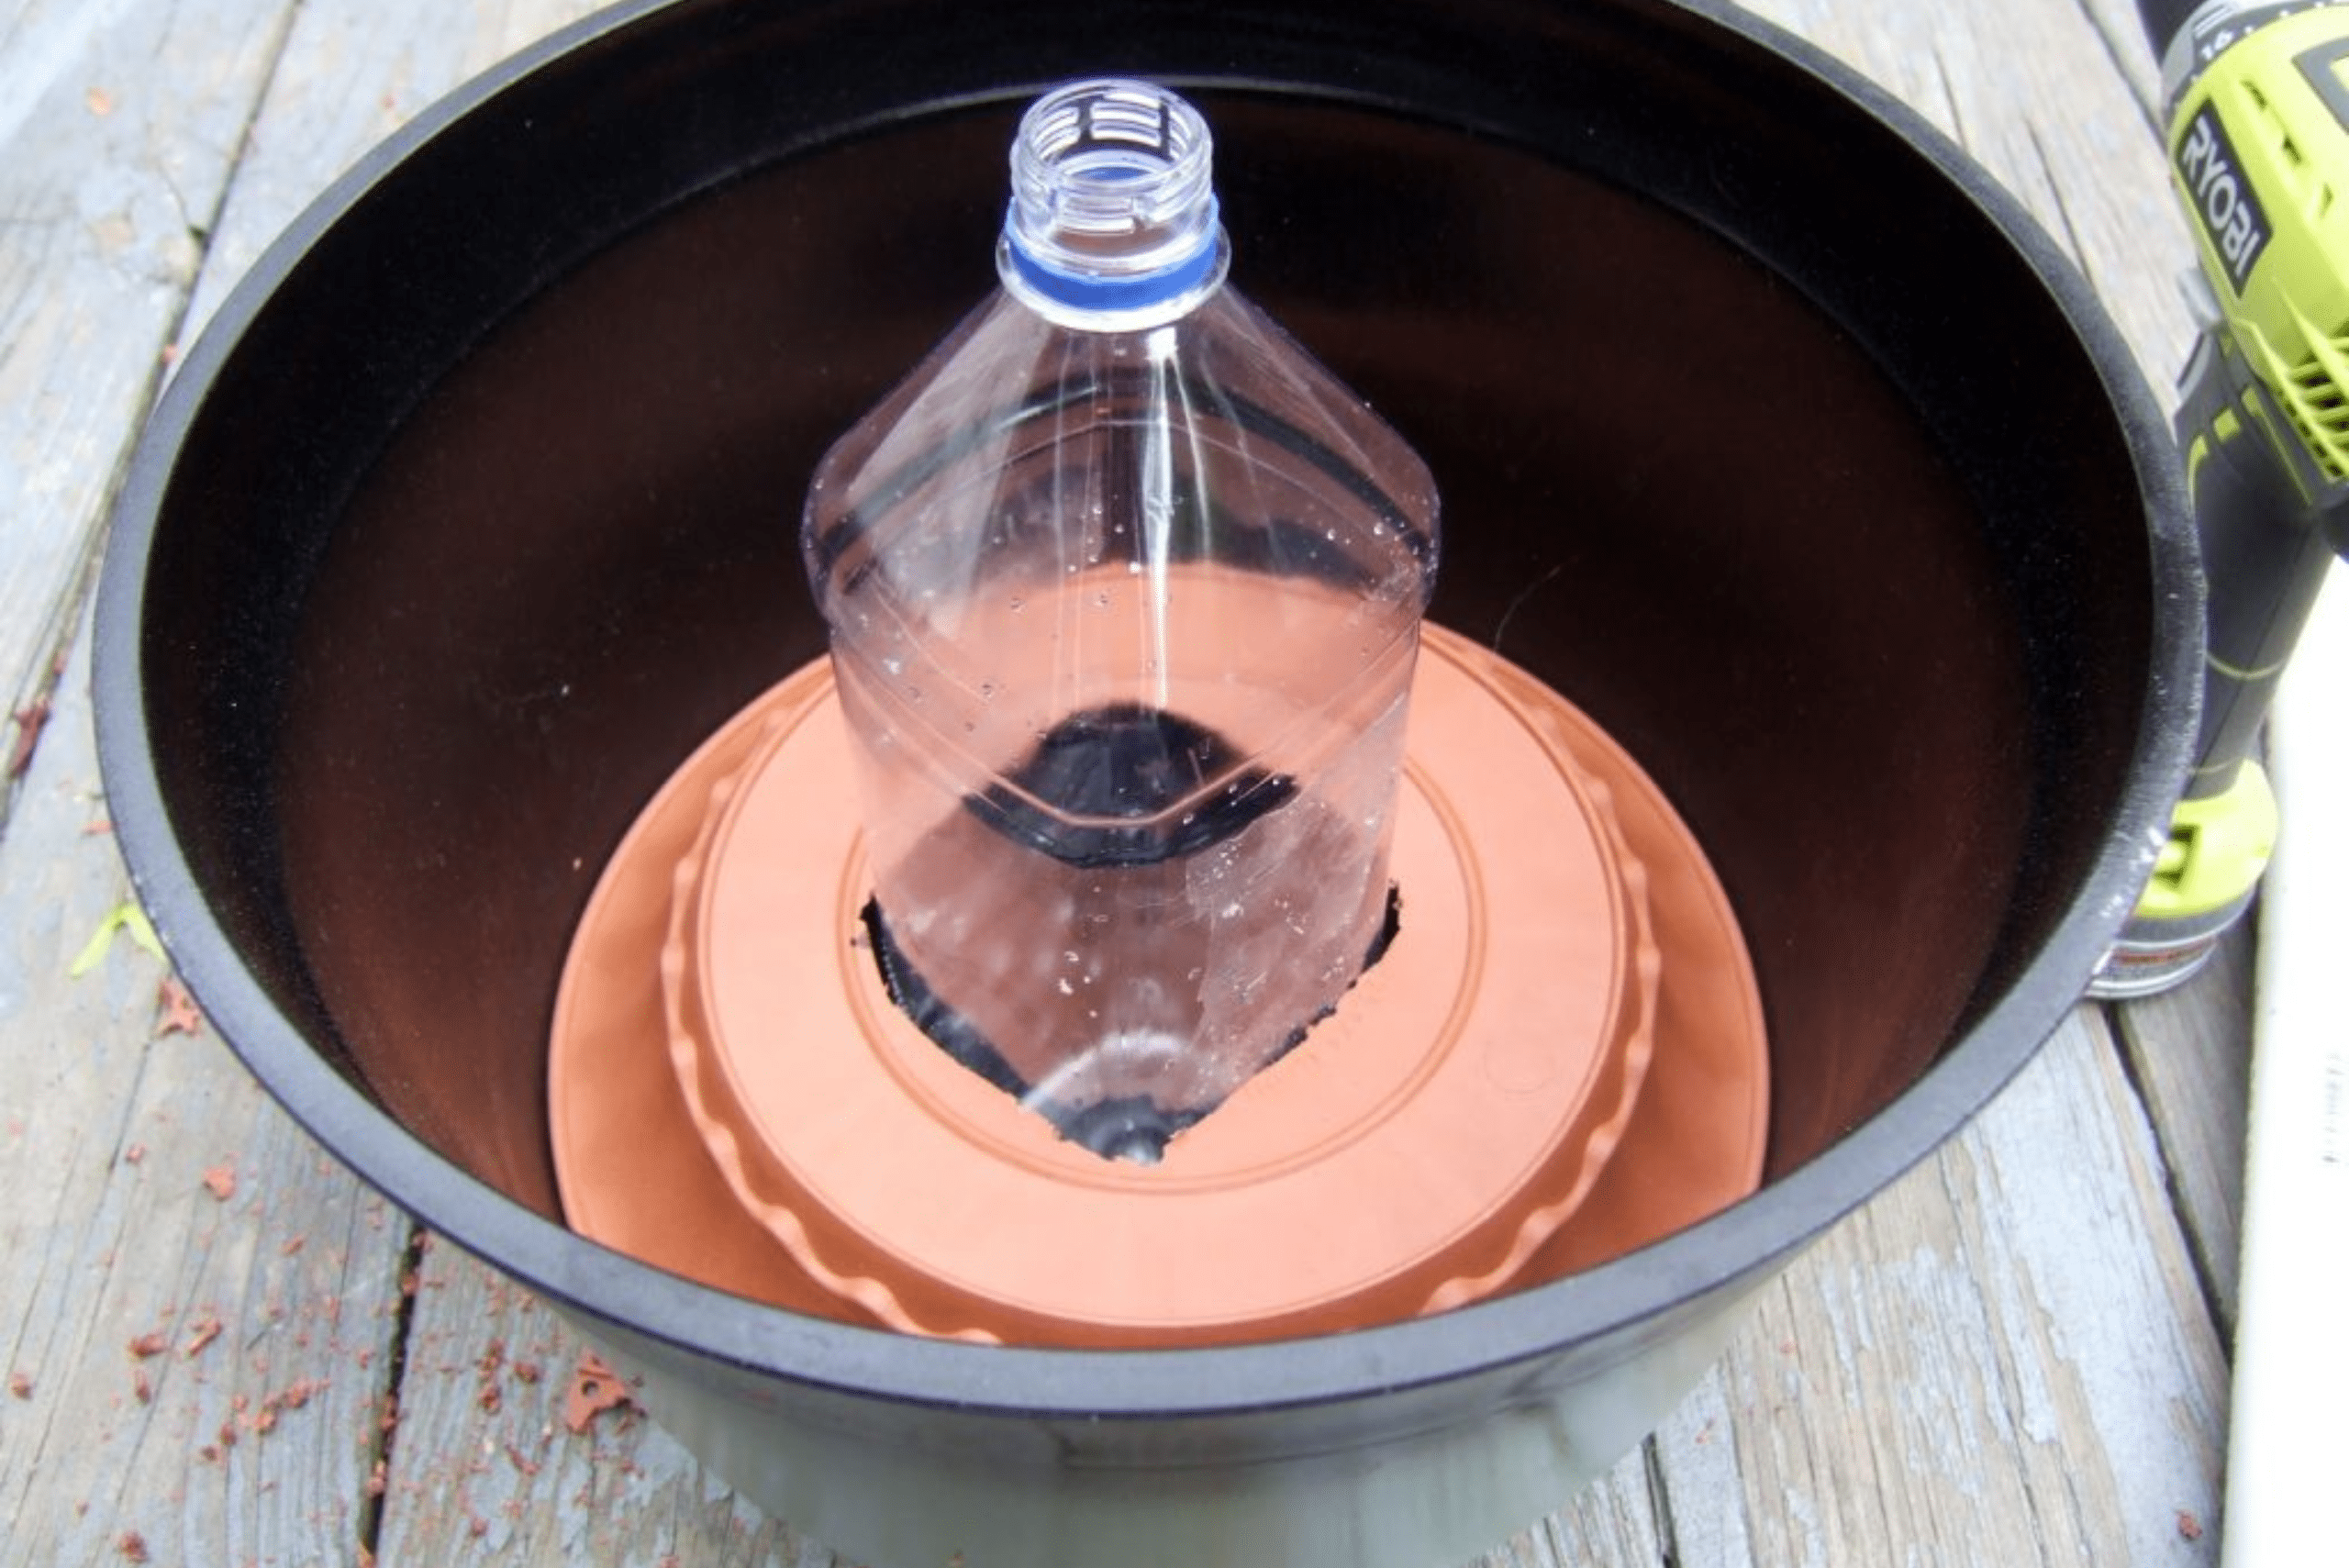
(2256, 116)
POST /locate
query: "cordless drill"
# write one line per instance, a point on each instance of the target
(2257, 106)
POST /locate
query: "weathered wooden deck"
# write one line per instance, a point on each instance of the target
(218, 1349)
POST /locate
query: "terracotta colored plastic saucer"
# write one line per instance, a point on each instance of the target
(1457, 1128)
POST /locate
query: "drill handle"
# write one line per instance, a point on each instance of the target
(2265, 549)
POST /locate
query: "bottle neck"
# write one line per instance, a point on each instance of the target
(1113, 223)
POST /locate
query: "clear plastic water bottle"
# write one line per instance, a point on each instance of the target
(1124, 591)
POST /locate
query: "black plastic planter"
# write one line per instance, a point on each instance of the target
(1769, 431)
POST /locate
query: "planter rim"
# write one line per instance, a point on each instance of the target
(1627, 1300)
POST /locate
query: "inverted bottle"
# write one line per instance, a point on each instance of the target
(1125, 593)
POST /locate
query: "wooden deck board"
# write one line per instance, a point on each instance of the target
(2189, 1053)
(2128, 53)
(2007, 1358)
(258, 1447)
(2002, 1357)
(487, 1468)
(150, 1192)
(122, 124)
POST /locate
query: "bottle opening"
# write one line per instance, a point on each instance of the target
(1113, 202)
(1103, 786)
(1135, 1125)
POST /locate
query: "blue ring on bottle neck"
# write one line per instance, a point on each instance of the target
(1137, 290)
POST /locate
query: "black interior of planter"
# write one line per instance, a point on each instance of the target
(1754, 438)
